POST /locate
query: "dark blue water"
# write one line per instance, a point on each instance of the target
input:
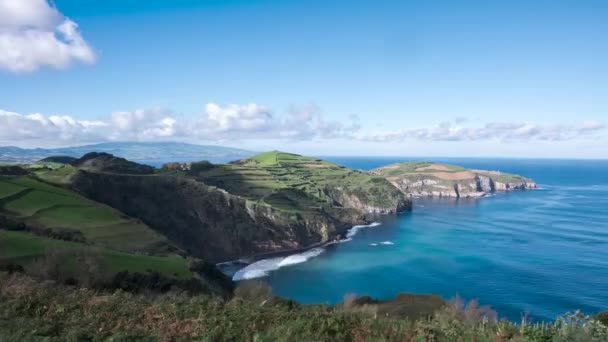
(544, 252)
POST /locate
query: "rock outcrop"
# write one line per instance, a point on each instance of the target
(440, 180)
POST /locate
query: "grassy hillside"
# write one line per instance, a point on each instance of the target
(53, 219)
(293, 182)
(24, 248)
(43, 206)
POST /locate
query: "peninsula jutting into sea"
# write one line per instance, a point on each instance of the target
(303, 171)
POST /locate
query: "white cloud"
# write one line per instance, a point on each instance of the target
(143, 124)
(254, 122)
(34, 34)
(16, 128)
(307, 122)
(250, 117)
(502, 131)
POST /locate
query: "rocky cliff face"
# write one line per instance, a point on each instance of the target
(211, 223)
(346, 198)
(440, 180)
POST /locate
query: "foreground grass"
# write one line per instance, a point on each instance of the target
(30, 310)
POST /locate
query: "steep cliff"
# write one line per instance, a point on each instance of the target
(208, 222)
(423, 179)
(271, 202)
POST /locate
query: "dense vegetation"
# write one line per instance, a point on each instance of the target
(293, 182)
(46, 209)
(55, 233)
(31, 310)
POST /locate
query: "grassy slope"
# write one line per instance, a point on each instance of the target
(43, 205)
(21, 248)
(117, 236)
(293, 182)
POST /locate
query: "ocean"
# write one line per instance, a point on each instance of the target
(539, 253)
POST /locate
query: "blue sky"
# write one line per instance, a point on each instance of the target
(434, 78)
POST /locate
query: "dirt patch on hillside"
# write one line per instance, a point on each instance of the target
(486, 172)
(436, 167)
(453, 175)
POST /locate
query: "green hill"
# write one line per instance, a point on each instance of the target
(24, 248)
(41, 206)
(271, 202)
(293, 182)
(42, 218)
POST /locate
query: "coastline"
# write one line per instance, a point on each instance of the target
(245, 262)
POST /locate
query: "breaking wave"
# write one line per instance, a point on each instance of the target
(263, 267)
(355, 229)
(385, 243)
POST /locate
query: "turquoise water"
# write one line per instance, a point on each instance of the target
(543, 252)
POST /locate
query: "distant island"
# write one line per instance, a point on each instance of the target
(149, 152)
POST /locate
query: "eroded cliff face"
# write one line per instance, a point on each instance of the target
(210, 223)
(481, 186)
(439, 180)
(394, 201)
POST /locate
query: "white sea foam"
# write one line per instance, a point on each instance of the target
(373, 244)
(355, 229)
(387, 243)
(301, 257)
(262, 268)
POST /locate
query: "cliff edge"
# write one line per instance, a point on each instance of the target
(426, 179)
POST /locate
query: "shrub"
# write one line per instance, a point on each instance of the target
(64, 234)
(197, 167)
(603, 317)
(155, 282)
(79, 266)
(254, 291)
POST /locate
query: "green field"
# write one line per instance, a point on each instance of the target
(42, 205)
(293, 182)
(21, 248)
(53, 172)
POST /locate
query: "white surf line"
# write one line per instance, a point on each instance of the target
(263, 267)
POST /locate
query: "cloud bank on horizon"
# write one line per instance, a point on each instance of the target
(34, 34)
(256, 122)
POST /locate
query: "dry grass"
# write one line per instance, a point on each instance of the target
(436, 167)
